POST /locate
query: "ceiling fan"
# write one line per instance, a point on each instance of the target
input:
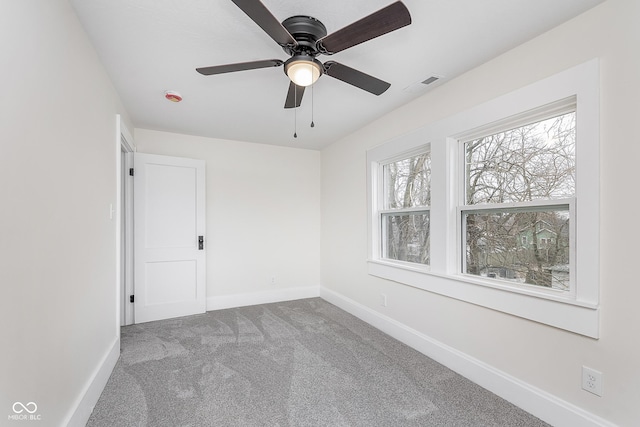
(304, 38)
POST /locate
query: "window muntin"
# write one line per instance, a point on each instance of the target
(404, 218)
(516, 224)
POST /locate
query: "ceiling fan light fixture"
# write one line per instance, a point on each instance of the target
(303, 70)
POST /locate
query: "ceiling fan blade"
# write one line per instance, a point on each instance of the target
(294, 96)
(356, 78)
(388, 19)
(241, 66)
(259, 13)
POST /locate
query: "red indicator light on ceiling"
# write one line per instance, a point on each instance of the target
(173, 96)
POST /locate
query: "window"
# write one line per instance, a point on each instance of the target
(501, 207)
(404, 217)
(520, 185)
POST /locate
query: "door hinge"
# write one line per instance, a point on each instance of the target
(131, 171)
(131, 298)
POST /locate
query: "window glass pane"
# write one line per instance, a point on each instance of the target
(407, 182)
(531, 162)
(524, 247)
(406, 237)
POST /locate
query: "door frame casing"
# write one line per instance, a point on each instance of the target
(125, 144)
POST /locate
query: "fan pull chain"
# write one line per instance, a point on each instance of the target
(295, 111)
(312, 124)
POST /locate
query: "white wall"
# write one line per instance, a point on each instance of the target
(57, 243)
(262, 213)
(539, 355)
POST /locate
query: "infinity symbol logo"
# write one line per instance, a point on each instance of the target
(22, 407)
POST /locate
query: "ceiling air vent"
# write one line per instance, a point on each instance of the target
(421, 86)
(430, 80)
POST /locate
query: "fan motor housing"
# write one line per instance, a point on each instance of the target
(307, 30)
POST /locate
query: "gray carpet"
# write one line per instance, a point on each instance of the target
(296, 363)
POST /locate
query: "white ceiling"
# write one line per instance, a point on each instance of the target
(150, 46)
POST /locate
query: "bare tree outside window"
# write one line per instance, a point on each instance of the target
(405, 219)
(408, 182)
(535, 162)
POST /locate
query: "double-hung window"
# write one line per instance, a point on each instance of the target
(403, 215)
(518, 210)
(501, 207)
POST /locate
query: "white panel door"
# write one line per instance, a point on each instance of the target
(169, 200)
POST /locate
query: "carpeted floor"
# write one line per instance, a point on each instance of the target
(296, 363)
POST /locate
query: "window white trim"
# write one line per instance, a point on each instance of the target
(579, 313)
(376, 201)
(540, 113)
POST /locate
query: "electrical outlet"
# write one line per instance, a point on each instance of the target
(273, 280)
(383, 300)
(592, 381)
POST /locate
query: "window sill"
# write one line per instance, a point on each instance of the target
(581, 317)
(402, 264)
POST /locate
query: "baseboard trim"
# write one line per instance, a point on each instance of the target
(81, 411)
(263, 297)
(540, 403)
